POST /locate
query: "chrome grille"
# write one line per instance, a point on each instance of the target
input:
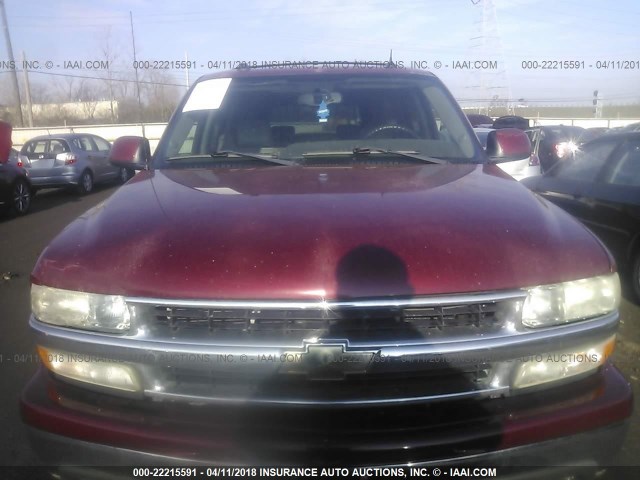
(358, 324)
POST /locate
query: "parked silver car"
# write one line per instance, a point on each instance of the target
(75, 159)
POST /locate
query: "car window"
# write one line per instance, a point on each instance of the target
(35, 149)
(87, 145)
(58, 146)
(102, 144)
(585, 164)
(81, 144)
(626, 166)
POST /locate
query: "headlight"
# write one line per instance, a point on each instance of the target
(570, 301)
(88, 311)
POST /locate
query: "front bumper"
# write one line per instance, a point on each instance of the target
(582, 423)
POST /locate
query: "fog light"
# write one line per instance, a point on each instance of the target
(552, 366)
(91, 369)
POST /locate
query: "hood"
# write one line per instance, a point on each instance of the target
(320, 232)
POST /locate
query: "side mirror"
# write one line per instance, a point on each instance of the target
(508, 144)
(131, 152)
(5, 141)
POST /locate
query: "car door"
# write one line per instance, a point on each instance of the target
(103, 148)
(41, 160)
(614, 200)
(93, 157)
(566, 183)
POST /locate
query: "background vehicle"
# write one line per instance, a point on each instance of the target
(78, 160)
(591, 134)
(479, 120)
(518, 169)
(15, 187)
(600, 185)
(17, 158)
(553, 143)
(511, 121)
(632, 127)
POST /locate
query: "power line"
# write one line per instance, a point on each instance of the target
(88, 77)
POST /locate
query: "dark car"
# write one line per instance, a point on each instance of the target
(511, 121)
(600, 185)
(554, 143)
(591, 134)
(478, 120)
(15, 187)
(77, 160)
(632, 127)
(324, 267)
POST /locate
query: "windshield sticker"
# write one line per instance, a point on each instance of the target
(323, 112)
(207, 95)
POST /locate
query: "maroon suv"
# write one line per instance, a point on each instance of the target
(323, 266)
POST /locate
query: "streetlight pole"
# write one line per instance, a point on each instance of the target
(14, 75)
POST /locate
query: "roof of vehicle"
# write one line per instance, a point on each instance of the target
(632, 127)
(478, 119)
(317, 68)
(508, 121)
(616, 136)
(62, 136)
(551, 127)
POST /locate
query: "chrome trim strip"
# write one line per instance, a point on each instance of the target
(491, 392)
(453, 299)
(394, 348)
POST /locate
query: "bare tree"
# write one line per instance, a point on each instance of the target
(109, 50)
(160, 94)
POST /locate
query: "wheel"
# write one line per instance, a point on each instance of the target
(391, 131)
(21, 197)
(635, 276)
(124, 175)
(86, 183)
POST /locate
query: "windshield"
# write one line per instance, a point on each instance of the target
(299, 117)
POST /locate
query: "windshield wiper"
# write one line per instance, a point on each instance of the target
(231, 153)
(414, 155)
(368, 151)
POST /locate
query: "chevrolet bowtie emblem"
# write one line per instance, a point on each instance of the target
(328, 360)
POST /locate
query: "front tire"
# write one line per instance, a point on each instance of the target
(20, 197)
(85, 185)
(124, 175)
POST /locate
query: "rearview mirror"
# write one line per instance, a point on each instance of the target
(5, 141)
(507, 144)
(131, 152)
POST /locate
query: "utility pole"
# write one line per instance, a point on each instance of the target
(186, 70)
(597, 105)
(135, 64)
(493, 84)
(27, 89)
(14, 76)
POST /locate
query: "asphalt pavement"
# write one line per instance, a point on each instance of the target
(23, 239)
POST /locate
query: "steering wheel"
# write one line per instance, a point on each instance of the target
(391, 131)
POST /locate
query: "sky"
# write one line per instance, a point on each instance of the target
(541, 33)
